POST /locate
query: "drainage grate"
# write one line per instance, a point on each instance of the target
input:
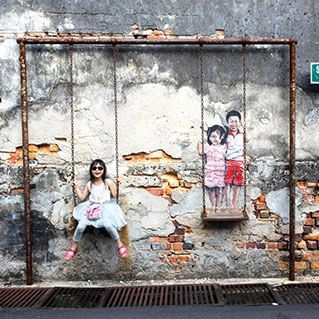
(176, 295)
(299, 293)
(169, 295)
(21, 297)
(76, 298)
(248, 294)
(140, 296)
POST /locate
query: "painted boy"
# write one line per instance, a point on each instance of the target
(235, 168)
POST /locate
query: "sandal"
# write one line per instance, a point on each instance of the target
(122, 250)
(70, 254)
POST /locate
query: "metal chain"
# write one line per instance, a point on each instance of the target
(116, 120)
(245, 117)
(201, 56)
(72, 116)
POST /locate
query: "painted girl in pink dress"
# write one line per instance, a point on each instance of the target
(215, 151)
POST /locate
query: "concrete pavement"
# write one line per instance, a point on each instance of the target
(310, 311)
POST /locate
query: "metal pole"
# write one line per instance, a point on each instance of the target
(26, 168)
(292, 160)
(177, 40)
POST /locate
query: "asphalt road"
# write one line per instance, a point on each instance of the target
(170, 312)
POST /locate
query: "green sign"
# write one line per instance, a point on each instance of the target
(314, 73)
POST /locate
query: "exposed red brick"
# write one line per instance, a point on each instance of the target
(180, 230)
(175, 238)
(32, 155)
(298, 255)
(312, 244)
(260, 206)
(301, 184)
(283, 265)
(172, 259)
(33, 148)
(14, 158)
(315, 214)
(182, 252)
(251, 245)
(311, 184)
(272, 245)
(314, 265)
(240, 244)
(302, 245)
(157, 239)
(308, 222)
(262, 198)
(176, 245)
(283, 245)
(301, 265)
(157, 191)
(156, 156)
(183, 259)
(312, 236)
(171, 178)
(178, 259)
(54, 148)
(168, 190)
(187, 184)
(311, 256)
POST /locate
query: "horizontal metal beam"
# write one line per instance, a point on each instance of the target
(172, 40)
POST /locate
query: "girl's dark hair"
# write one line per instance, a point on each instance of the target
(94, 163)
(233, 113)
(222, 133)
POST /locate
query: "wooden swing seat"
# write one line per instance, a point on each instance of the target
(224, 215)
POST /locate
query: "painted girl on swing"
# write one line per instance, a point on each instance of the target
(99, 211)
(215, 152)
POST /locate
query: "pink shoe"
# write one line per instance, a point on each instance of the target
(70, 254)
(122, 250)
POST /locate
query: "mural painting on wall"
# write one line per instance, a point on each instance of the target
(224, 172)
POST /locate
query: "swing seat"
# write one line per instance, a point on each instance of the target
(224, 215)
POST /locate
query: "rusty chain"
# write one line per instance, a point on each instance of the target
(201, 56)
(72, 116)
(245, 118)
(115, 119)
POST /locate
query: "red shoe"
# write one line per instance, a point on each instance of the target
(70, 254)
(122, 250)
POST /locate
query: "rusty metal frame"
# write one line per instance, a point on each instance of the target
(42, 38)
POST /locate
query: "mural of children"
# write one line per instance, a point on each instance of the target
(235, 175)
(214, 150)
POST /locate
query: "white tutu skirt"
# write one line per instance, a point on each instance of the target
(111, 214)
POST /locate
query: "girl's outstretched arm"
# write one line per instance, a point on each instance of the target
(81, 195)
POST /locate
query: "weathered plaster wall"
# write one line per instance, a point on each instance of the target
(159, 126)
